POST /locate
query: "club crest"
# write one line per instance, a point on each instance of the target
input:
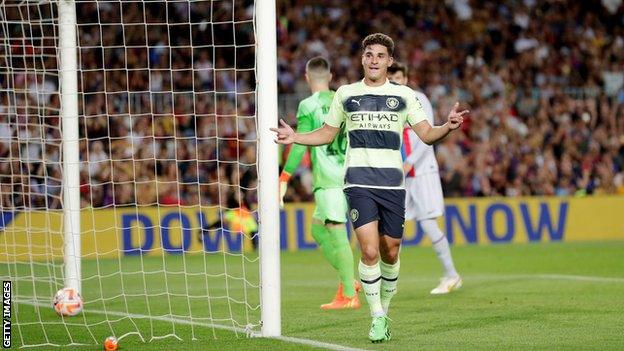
(354, 215)
(392, 103)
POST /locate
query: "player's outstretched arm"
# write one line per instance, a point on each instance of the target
(430, 135)
(321, 136)
(304, 125)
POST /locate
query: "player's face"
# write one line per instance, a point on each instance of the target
(398, 77)
(376, 61)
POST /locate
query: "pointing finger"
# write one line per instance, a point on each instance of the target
(456, 118)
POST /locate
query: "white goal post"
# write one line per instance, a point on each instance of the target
(268, 164)
(68, 77)
(130, 134)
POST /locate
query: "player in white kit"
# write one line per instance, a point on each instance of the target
(424, 200)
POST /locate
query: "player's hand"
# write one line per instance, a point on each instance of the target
(282, 187)
(285, 133)
(456, 117)
(283, 184)
(407, 167)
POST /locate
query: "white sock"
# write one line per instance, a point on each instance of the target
(440, 245)
(370, 276)
(389, 279)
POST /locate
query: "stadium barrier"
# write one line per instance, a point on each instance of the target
(171, 230)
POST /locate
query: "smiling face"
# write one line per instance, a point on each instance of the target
(376, 61)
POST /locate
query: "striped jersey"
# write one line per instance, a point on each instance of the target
(415, 152)
(373, 119)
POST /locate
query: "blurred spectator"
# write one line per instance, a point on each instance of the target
(167, 108)
(544, 81)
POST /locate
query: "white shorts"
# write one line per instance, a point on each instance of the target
(424, 198)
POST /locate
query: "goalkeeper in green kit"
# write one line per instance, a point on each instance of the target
(329, 218)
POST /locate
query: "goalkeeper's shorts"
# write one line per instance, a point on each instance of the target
(331, 205)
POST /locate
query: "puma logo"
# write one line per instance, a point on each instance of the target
(356, 101)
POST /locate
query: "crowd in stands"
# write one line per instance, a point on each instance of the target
(544, 81)
(167, 102)
(161, 120)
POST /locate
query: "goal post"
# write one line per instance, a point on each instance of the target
(268, 169)
(68, 77)
(137, 167)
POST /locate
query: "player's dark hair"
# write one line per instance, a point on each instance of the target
(397, 67)
(317, 64)
(381, 39)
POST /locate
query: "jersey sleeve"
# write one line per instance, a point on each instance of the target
(305, 123)
(426, 104)
(336, 115)
(415, 110)
(419, 149)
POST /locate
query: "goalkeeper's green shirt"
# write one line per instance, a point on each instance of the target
(373, 118)
(327, 160)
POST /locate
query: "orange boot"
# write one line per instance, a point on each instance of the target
(341, 302)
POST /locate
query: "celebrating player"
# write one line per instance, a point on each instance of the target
(424, 201)
(373, 112)
(329, 218)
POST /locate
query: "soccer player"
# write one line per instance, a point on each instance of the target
(330, 214)
(374, 111)
(424, 201)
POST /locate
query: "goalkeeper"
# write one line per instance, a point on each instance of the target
(329, 218)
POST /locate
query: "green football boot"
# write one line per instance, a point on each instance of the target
(379, 329)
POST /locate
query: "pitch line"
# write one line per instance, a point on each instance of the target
(309, 342)
(318, 344)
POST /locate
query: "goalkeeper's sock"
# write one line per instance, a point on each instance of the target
(370, 277)
(440, 245)
(322, 236)
(343, 258)
(389, 278)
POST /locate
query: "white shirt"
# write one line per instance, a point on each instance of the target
(415, 152)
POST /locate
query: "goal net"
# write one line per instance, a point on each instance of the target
(144, 194)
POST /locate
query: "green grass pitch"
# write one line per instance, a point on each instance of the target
(516, 296)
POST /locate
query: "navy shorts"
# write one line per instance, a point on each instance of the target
(385, 205)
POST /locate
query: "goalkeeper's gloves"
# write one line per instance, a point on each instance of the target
(283, 184)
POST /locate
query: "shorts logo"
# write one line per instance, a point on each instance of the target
(392, 103)
(354, 215)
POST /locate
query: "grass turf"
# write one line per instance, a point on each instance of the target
(529, 296)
